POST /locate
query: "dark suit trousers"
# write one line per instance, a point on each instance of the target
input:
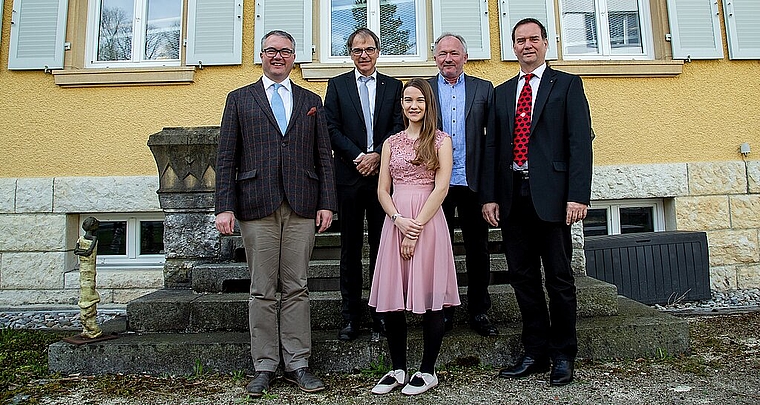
(529, 241)
(353, 203)
(475, 235)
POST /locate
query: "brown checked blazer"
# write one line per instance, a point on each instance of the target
(258, 168)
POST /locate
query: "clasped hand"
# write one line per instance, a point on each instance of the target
(411, 230)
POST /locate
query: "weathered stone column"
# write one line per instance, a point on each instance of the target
(186, 159)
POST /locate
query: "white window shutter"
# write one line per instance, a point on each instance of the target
(291, 16)
(742, 29)
(512, 11)
(214, 32)
(38, 33)
(695, 29)
(468, 18)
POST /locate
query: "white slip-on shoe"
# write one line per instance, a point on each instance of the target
(420, 383)
(391, 380)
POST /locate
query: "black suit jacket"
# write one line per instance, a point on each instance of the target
(559, 150)
(257, 168)
(345, 120)
(478, 106)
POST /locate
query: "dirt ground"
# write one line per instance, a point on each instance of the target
(723, 368)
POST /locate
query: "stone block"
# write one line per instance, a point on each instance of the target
(702, 213)
(33, 232)
(753, 176)
(733, 247)
(745, 211)
(121, 278)
(34, 195)
(17, 298)
(748, 276)
(178, 273)
(639, 181)
(723, 278)
(106, 194)
(190, 235)
(709, 178)
(125, 296)
(37, 270)
(7, 196)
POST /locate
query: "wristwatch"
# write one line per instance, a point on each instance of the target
(394, 216)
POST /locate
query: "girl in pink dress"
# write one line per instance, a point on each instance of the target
(414, 270)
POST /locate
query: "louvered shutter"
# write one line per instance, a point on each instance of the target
(742, 29)
(214, 32)
(291, 16)
(512, 11)
(695, 29)
(468, 18)
(38, 33)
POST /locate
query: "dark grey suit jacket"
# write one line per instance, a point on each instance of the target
(345, 120)
(478, 106)
(257, 168)
(559, 150)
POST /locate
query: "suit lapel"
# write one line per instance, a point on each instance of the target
(470, 88)
(434, 86)
(260, 97)
(379, 96)
(353, 93)
(298, 105)
(547, 82)
(511, 102)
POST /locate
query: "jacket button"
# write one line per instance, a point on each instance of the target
(284, 144)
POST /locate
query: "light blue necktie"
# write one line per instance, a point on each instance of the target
(278, 108)
(364, 97)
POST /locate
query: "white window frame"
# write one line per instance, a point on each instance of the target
(613, 212)
(373, 8)
(740, 28)
(603, 31)
(131, 258)
(138, 39)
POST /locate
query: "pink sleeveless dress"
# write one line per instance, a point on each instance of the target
(428, 280)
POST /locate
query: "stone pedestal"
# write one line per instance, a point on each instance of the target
(186, 159)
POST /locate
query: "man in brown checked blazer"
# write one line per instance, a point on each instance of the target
(275, 175)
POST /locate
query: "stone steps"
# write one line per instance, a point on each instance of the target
(188, 311)
(635, 331)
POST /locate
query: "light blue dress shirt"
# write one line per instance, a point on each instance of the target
(451, 99)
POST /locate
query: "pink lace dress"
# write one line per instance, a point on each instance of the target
(428, 280)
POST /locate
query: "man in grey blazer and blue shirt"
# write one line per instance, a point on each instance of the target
(465, 105)
(274, 174)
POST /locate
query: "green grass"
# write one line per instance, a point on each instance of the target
(23, 358)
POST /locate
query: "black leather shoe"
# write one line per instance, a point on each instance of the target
(525, 367)
(260, 383)
(562, 372)
(304, 379)
(483, 326)
(350, 331)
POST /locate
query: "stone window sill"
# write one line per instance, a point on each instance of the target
(124, 76)
(620, 68)
(321, 72)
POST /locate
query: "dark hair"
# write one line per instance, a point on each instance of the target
(90, 224)
(278, 33)
(448, 34)
(425, 149)
(363, 32)
(529, 21)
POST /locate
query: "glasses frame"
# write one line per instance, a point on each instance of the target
(284, 52)
(370, 50)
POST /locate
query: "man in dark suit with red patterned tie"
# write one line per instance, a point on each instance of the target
(274, 174)
(538, 183)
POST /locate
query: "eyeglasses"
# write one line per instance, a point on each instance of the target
(272, 52)
(358, 51)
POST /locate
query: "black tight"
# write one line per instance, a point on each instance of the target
(432, 335)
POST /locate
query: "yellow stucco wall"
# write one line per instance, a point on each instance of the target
(703, 114)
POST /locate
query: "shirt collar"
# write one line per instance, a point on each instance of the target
(357, 75)
(537, 72)
(442, 80)
(269, 82)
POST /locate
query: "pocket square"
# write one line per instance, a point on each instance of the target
(312, 111)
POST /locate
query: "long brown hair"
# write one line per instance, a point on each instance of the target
(425, 149)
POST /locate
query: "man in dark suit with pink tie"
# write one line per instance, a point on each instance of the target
(274, 174)
(537, 184)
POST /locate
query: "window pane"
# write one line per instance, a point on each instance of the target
(347, 16)
(151, 237)
(579, 27)
(115, 35)
(112, 238)
(595, 223)
(162, 29)
(398, 32)
(625, 31)
(636, 219)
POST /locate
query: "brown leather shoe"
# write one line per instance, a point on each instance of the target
(305, 380)
(260, 383)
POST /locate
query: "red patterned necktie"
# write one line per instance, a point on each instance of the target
(522, 122)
